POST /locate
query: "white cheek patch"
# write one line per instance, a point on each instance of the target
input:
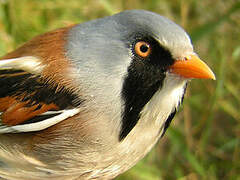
(165, 100)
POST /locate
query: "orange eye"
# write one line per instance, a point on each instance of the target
(142, 49)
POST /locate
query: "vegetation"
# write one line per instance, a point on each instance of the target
(204, 139)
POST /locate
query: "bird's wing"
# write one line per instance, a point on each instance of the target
(30, 101)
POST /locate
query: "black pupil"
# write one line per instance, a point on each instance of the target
(144, 48)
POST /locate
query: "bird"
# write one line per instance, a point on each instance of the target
(88, 101)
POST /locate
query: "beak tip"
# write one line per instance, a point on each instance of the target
(214, 78)
(212, 75)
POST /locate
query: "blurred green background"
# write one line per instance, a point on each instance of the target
(203, 140)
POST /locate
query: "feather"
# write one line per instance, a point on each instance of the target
(27, 63)
(40, 125)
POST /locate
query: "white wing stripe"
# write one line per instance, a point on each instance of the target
(37, 126)
(27, 63)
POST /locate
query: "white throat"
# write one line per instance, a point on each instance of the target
(150, 126)
(164, 101)
(157, 110)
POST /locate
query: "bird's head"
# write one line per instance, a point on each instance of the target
(129, 57)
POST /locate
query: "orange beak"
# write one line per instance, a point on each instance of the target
(192, 67)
